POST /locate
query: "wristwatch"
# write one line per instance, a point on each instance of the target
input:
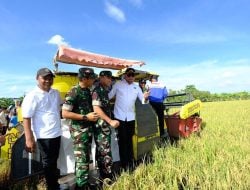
(84, 118)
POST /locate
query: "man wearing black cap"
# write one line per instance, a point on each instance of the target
(126, 92)
(102, 129)
(42, 121)
(78, 107)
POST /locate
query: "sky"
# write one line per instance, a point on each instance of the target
(205, 43)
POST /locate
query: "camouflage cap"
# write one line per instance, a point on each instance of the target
(106, 73)
(86, 73)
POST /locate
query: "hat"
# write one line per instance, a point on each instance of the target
(86, 73)
(154, 77)
(129, 70)
(142, 81)
(44, 72)
(106, 73)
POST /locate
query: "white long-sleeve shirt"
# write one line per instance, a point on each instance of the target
(125, 97)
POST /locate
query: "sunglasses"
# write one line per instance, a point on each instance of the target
(130, 75)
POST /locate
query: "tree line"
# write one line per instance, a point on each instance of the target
(206, 96)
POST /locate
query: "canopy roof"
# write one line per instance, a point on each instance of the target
(139, 74)
(84, 58)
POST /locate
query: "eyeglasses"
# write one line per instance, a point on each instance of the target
(130, 75)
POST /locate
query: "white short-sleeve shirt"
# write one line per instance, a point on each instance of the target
(125, 97)
(44, 110)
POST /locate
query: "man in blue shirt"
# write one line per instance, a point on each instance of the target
(158, 93)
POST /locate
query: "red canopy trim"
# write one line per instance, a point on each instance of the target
(84, 58)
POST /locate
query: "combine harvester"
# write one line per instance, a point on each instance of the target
(180, 124)
(185, 121)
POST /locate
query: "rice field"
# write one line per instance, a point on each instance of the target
(218, 158)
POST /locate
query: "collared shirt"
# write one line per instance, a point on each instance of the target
(125, 97)
(158, 92)
(44, 110)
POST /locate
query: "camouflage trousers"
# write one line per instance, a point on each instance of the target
(102, 134)
(81, 140)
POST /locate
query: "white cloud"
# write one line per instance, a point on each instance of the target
(136, 3)
(13, 88)
(182, 30)
(57, 40)
(211, 75)
(228, 74)
(174, 35)
(17, 86)
(114, 12)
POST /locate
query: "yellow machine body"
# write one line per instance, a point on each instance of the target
(64, 81)
(11, 137)
(190, 109)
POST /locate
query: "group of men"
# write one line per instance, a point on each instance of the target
(90, 114)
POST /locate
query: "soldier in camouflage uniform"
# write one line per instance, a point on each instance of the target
(102, 131)
(78, 108)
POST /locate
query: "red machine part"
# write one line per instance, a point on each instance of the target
(178, 127)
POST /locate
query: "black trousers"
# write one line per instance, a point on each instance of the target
(159, 109)
(126, 131)
(49, 149)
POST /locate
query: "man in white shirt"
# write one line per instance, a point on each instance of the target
(42, 121)
(126, 92)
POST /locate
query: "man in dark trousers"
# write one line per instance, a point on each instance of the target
(42, 123)
(102, 128)
(158, 93)
(126, 92)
